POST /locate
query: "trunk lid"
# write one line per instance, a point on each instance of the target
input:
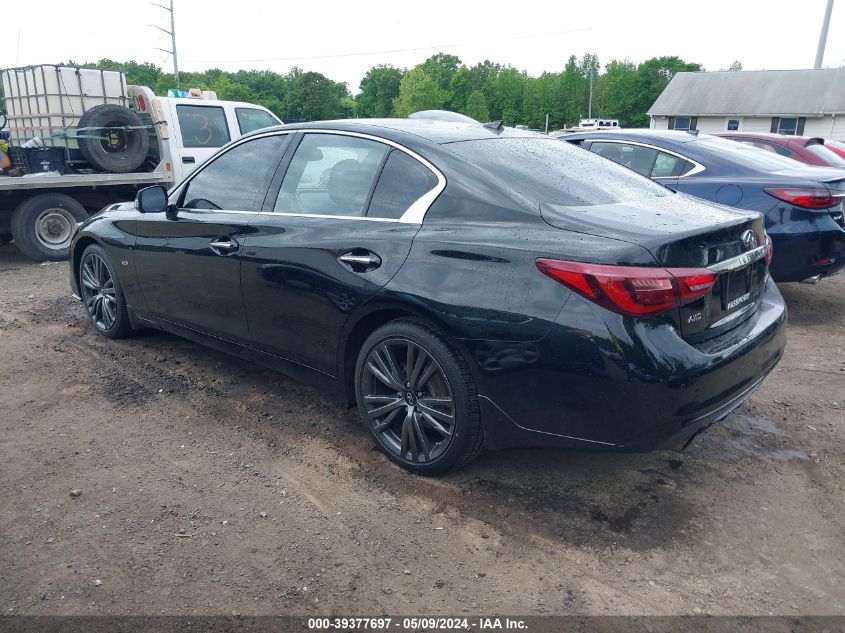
(682, 232)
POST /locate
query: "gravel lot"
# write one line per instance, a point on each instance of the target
(209, 485)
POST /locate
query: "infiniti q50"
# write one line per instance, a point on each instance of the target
(464, 286)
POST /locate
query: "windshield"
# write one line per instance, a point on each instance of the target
(746, 155)
(553, 171)
(826, 154)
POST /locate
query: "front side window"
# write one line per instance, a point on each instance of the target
(403, 181)
(251, 119)
(237, 180)
(331, 174)
(202, 126)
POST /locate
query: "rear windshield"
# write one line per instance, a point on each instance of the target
(826, 154)
(746, 155)
(554, 171)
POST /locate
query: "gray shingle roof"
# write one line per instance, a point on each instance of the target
(750, 92)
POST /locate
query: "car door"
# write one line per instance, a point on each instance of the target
(339, 226)
(188, 259)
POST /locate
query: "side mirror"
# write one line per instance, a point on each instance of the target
(151, 199)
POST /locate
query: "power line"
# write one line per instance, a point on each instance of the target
(382, 52)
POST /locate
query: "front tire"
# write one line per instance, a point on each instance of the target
(102, 294)
(417, 398)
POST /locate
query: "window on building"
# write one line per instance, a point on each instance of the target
(733, 125)
(791, 126)
(683, 122)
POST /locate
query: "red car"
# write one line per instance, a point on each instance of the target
(811, 150)
(838, 147)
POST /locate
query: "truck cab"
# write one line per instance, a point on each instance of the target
(185, 128)
(195, 126)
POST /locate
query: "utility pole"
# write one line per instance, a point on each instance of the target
(590, 103)
(823, 34)
(172, 34)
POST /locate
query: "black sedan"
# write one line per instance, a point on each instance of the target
(802, 204)
(466, 286)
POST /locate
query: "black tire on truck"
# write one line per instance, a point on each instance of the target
(43, 225)
(120, 144)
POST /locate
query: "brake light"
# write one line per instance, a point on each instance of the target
(142, 106)
(769, 250)
(631, 290)
(806, 198)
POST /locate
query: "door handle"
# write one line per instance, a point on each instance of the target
(224, 246)
(360, 260)
(188, 159)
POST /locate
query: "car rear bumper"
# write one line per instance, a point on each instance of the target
(807, 250)
(634, 385)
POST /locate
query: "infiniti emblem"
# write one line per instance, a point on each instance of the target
(749, 240)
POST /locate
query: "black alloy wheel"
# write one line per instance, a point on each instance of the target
(417, 399)
(101, 294)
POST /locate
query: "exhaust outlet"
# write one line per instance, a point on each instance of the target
(812, 280)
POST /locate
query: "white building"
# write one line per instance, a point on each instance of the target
(797, 102)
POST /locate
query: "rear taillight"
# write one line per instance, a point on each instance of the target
(769, 250)
(806, 198)
(631, 290)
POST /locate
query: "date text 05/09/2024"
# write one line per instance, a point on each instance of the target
(416, 623)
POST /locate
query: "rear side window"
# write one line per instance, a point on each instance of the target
(331, 174)
(237, 180)
(548, 170)
(403, 181)
(251, 119)
(202, 126)
(641, 159)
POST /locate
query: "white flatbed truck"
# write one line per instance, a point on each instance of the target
(39, 210)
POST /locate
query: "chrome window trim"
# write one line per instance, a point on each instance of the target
(414, 214)
(740, 261)
(697, 169)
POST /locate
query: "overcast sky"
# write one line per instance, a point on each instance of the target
(343, 39)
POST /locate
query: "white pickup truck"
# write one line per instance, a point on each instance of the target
(39, 210)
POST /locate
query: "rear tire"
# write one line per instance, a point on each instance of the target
(119, 151)
(417, 399)
(102, 294)
(43, 225)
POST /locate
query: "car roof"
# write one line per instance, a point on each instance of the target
(674, 136)
(439, 132)
(775, 138)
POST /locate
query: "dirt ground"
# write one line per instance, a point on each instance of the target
(212, 486)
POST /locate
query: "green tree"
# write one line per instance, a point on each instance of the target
(735, 66)
(418, 91)
(620, 92)
(510, 88)
(379, 87)
(312, 97)
(476, 107)
(655, 74)
(441, 68)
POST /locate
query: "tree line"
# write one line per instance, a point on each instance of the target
(486, 91)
